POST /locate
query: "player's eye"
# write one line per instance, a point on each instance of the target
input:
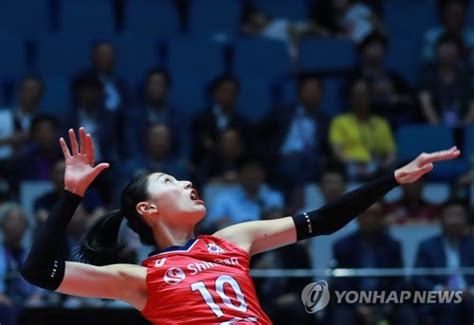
(168, 180)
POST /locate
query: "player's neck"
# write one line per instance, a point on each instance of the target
(166, 236)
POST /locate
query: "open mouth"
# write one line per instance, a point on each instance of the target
(194, 195)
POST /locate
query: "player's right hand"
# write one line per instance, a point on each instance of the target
(80, 170)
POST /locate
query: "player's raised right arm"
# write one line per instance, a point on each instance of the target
(45, 265)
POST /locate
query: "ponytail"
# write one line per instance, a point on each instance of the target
(100, 244)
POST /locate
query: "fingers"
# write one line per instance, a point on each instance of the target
(73, 141)
(99, 169)
(64, 148)
(90, 149)
(452, 153)
(426, 168)
(82, 137)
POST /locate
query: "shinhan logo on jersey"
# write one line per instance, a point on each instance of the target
(214, 249)
(174, 275)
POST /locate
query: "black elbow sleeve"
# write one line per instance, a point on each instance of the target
(44, 275)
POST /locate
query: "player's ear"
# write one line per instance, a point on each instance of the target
(146, 208)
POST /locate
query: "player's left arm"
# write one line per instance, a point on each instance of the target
(260, 236)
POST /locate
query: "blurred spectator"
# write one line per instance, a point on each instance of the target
(220, 116)
(91, 114)
(37, 158)
(15, 291)
(295, 137)
(453, 23)
(446, 89)
(103, 68)
(42, 206)
(16, 121)
(452, 249)
(346, 18)
(392, 96)
(223, 165)
(370, 247)
(155, 108)
(411, 207)
(249, 201)
(332, 183)
(158, 155)
(255, 22)
(280, 297)
(360, 139)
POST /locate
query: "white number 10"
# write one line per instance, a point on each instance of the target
(220, 282)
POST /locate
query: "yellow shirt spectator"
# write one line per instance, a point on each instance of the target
(361, 141)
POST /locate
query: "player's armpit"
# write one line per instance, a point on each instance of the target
(124, 282)
(260, 236)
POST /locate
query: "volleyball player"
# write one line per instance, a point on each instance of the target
(188, 279)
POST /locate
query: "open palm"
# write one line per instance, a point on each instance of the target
(423, 164)
(80, 170)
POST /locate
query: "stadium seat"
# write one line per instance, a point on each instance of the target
(135, 55)
(195, 58)
(25, 16)
(415, 139)
(157, 18)
(469, 143)
(293, 10)
(210, 17)
(188, 95)
(404, 56)
(326, 54)
(57, 97)
(254, 98)
(409, 17)
(88, 17)
(260, 58)
(12, 56)
(60, 55)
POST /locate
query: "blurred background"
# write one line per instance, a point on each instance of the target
(270, 108)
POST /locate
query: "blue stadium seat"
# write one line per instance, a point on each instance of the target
(57, 96)
(415, 139)
(157, 18)
(12, 56)
(294, 10)
(260, 58)
(25, 16)
(404, 56)
(188, 95)
(88, 17)
(209, 17)
(322, 54)
(469, 142)
(60, 55)
(135, 55)
(195, 58)
(409, 17)
(254, 98)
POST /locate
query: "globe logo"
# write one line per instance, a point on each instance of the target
(315, 296)
(174, 275)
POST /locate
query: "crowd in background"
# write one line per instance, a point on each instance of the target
(267, 163)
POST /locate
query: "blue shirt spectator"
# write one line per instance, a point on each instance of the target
(248, 201)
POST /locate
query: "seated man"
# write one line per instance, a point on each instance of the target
(248, 201)
(361, 140)
(411, 207)
(452, 249)
(370, 247)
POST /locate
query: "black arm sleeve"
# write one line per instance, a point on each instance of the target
(337, 214)
(45, 265)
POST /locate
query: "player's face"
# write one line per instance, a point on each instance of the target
(177, 201)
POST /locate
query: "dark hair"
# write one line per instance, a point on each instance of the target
(306, 77)
(442, 4)
(100, 244)
(41, 118)
(448, 39)
(162, 72)
(335, 168)
(217, 82)
(86, 80)
(32, 77)
(372, 38)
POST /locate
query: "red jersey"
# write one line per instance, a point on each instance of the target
(207, 281)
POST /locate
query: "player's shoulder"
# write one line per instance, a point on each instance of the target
(215, 243)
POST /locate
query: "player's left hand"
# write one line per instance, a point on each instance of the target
(423, 164)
